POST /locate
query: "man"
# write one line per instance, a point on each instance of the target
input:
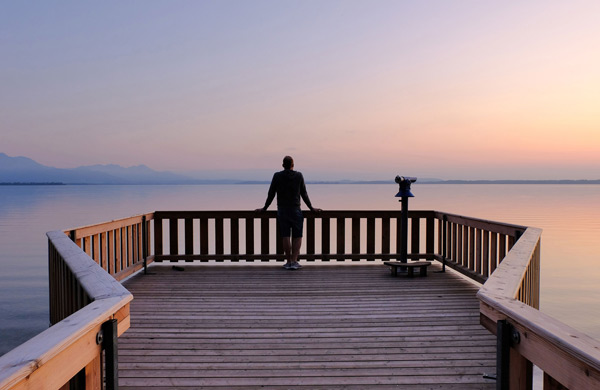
(289, 187)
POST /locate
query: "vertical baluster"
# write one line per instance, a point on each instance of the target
(158, 237)
(471, 248)
(478, 252)
(110, 252)
(325, 237)
(204, 236)
(139, 243)
(235, 238)
(130, 240)
(189, 237)
(464, 246)
(485, 271)
(310, 235)
(493, 251)
(278, 239)
(87, 245)
(440, 234)
(264, 237)
(95, 239)
(118, 251)
(385, 235)
(370, 237)
(501, 248)
(399, 232)
(356, 236)
(458, 247)
(103, 250)
(123, 237)
(249, 237)
(219, 242)
(341, 237)
(415, 236)
(173, 237)
(430, 235)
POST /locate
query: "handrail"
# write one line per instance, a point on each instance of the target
(53, 357)
(508, 301)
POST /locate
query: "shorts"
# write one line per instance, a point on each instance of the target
(290, 221)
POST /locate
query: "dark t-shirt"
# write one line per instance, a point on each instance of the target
(289, 187)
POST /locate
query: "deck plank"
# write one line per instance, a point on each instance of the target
(338, 326)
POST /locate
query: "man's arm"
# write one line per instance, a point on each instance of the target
(271, 194)
(304, 194)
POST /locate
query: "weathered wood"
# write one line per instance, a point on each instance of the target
(492, 226)
(53, 357)
(250, 236)
(90, 230)
(370, 235)
(219, 237)
(430, 235)
(415, 235)
(356, 236)
(158, 237)
(189, 236)
(348, 327)
(173, 236)
(310, 235)
(341, 235)
(385, 235)
(264, 236)
(235, 236)
(325, 237)
(203, 236)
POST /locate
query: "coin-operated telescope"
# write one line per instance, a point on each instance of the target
(404, 193)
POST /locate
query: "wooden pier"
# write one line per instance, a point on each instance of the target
(327, 326)
(234, 319)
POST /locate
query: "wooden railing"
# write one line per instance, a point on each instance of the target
(475, 247)
(120, 247)
(252, 236)
(503, 256)
(89, 309)
(526, 336)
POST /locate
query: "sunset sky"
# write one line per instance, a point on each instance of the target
(351, 89)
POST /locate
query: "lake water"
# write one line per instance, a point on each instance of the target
(569, 215)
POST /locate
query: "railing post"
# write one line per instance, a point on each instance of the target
(109, 342)
(503, 355)
(513, 371)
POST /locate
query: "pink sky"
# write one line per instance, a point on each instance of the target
(351, 89)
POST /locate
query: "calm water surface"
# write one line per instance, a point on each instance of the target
(569, 215)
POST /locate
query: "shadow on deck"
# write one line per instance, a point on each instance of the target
(327, 326)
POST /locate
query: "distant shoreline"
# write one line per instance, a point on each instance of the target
(33, 184)
(329, 182)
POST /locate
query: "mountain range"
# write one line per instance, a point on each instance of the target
(26, 170)
(23, 170)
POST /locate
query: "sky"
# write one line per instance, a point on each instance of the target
(351, 89)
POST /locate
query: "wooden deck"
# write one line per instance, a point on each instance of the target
(338, 326)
